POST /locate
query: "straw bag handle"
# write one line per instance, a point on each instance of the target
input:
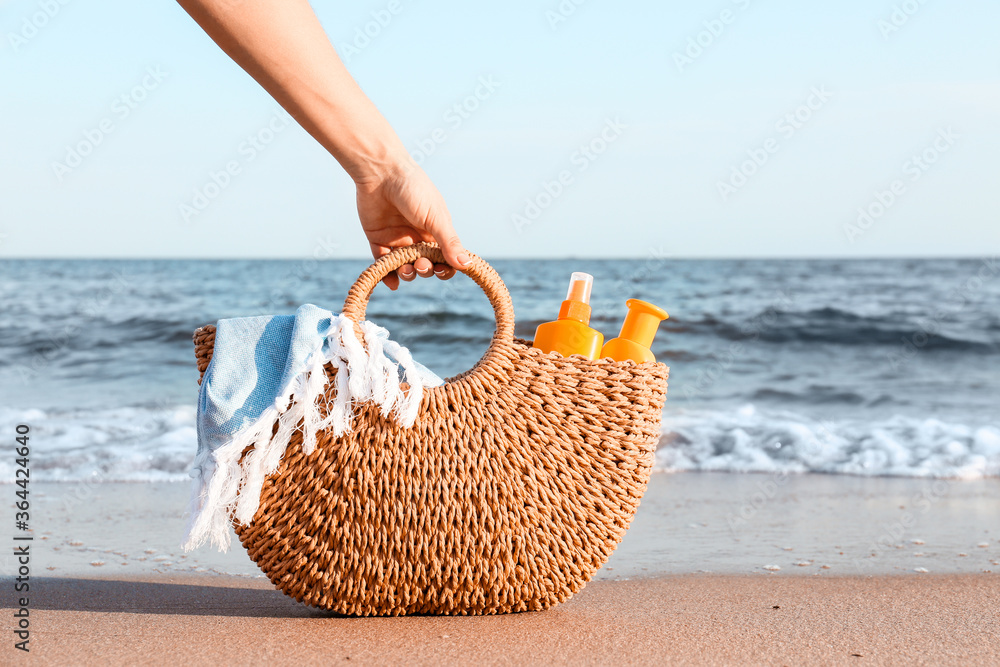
(480, 272)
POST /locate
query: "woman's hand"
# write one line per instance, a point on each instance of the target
(401, 207)
(281, 44)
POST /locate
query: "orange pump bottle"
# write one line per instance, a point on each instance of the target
(637, 333)
(570, 334)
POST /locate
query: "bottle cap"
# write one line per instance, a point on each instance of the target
(641, 322)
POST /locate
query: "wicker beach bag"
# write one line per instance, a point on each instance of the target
(513, 487)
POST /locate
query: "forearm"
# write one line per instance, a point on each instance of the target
(281, 44)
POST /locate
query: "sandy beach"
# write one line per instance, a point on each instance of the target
(716, 569)
(679, 620)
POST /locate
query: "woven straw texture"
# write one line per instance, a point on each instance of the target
(513, 487)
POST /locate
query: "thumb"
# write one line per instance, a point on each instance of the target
(423, 206)
(451, 246)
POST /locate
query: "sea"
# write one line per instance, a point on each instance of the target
(879, 367)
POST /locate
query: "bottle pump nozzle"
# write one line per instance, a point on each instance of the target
(577, 303)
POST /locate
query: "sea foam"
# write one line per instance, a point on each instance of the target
(158, 443)
(752, 440)
(133, 444)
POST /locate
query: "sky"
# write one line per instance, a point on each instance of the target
(732, 128)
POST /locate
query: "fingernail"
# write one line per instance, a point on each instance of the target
(405, 273)
(463, 259)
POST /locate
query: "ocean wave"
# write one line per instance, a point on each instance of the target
(158, 443)
(431, 318)
(128, 444)
(43, 336)
(813, 394)
(832, 325)
(752, 440)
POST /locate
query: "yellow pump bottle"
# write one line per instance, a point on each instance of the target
(637, 333)
(570, 334)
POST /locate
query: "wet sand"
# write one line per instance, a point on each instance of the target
(688, 523)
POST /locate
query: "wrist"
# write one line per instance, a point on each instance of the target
(368, 148)
(378, 163)
(354, 132)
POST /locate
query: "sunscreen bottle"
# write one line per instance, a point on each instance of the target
(570, 334)
(637, 333)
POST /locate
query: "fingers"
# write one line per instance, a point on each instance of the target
(407, 272)
(443, 271)
(424, 267)
(391, 281)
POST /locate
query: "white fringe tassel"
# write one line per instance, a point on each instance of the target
(223, 489)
